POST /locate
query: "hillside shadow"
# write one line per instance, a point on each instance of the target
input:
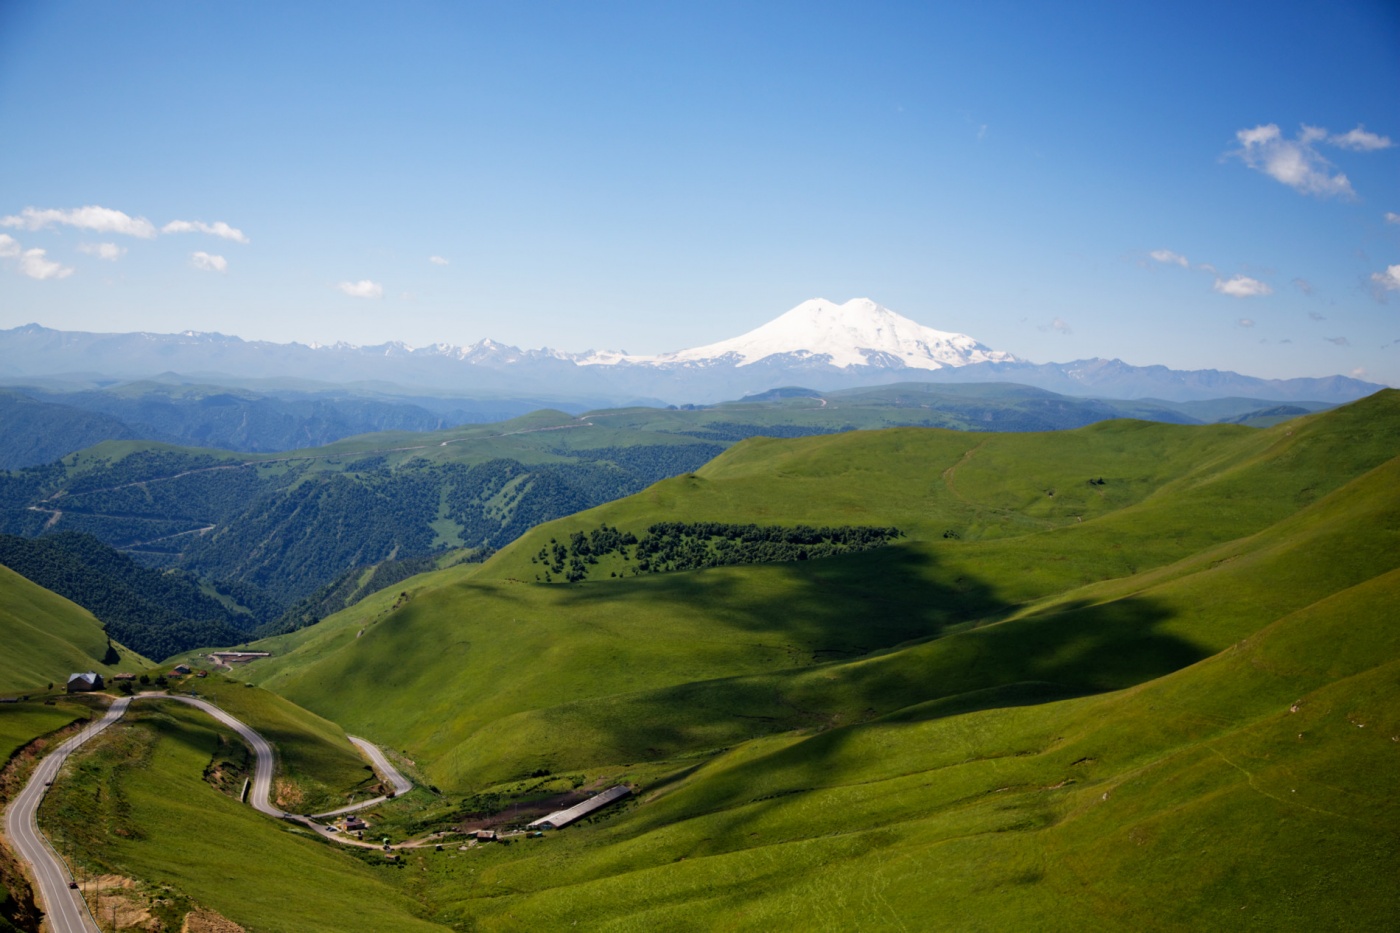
(835, 608)
(842, 615)
(870, 721)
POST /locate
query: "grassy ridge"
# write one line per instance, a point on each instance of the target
(484, 678)
(1167, 700)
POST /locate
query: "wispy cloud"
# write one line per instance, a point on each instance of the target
(1296, 162)
(92, 217)
(438, 261)
(1167, 256)
(1303, 285)
(218, 229)
(1245, 322)
(1317, 316)
(109, 251)
(1242, 286)
(208, 262)
(1392, 218)
(9, 246)
(1339, 341)
(1358, 140)
(362, 289)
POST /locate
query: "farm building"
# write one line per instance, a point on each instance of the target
(229, 658)
(82, 683)
(123, 676)
(562, 818)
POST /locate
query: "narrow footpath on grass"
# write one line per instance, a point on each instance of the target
(65, 911)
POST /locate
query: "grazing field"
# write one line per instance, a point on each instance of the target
(483, 675)
(1135, 676)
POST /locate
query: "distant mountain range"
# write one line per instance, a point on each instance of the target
(818, 343)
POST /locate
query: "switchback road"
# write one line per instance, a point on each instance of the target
(65, 910)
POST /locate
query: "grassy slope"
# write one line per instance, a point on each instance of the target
(484, 678)
(46, 638)
(1195, 800)
(1180, 711)
(21, 723)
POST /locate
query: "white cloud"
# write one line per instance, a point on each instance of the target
(437, 261)
(109, 251)
(1166, 255)
(1245, 322)
(9, 246)
(99, 219)
(32, 262)
(1392, 218)
(1242, 286)
(1060, 325)
(218, 229)
(1361, 141)
(1294, 162)
(208, 262)
(1389, 279)
(362, 289)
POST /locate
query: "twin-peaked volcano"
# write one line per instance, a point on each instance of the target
(857, 333)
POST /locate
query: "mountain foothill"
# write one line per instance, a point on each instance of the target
(913, 653)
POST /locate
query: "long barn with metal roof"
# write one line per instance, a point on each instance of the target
(561, 818)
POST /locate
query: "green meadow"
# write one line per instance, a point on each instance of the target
(1132, 676)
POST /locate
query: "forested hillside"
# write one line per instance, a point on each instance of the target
(156, 613)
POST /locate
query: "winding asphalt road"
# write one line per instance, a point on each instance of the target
(64, 909)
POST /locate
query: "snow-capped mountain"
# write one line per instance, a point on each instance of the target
(857, 333)
(818, 344)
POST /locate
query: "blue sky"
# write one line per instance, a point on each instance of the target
(1197, 185)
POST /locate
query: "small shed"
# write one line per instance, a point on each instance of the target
(181, 669)
(84, 683)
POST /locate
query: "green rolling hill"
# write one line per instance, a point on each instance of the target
(1167, 698)
(1130, 676)
(46, 638)
(1058, 537)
